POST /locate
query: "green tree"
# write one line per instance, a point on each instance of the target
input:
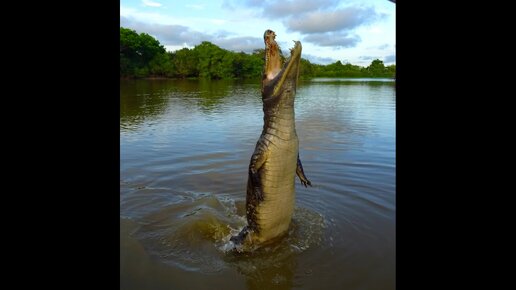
(306, 69)
(161, 65)
(229, 65)
(149, 47)
(391, 71)
(129, 44)
(209, 55)
(185, 62)
(141, 55)
(253, 65)
(376, 68)
(137, 51)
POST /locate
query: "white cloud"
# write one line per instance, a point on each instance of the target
(285, 8)
(336, 20)
(149, 17)
(274, 9)
(375, 30)
(383, 46)
(167, 34)
(170, 35)
(239, 43)
(318, 59)
(335, 40)
(151, 3)
(218, 21)
(330, 30)
(390, 58)
(176, 47)
(195, 6)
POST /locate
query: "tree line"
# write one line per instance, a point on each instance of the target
(141, 56)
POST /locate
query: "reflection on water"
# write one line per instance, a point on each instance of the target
(185, 147)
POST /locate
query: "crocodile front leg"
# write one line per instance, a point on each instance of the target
(301, 174)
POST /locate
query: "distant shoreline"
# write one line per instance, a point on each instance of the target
(143, 57)
(239, 79)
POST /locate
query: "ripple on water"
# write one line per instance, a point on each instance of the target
(192, 234)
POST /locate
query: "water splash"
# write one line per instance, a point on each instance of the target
(194, 235)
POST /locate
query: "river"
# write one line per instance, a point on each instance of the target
(185, 147)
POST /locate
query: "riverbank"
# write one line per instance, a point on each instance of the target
(198, 78)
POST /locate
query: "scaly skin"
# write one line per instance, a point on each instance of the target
(275, 162)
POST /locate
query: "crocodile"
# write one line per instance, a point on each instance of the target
(275, 161)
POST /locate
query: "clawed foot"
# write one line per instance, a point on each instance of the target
(306, 182)
(239, 239)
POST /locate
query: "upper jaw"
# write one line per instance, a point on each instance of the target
(277, 73)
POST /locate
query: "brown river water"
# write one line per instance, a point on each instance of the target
(185, 147)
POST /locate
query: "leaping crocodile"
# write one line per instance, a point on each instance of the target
(275, 162)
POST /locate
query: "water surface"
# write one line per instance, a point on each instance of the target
(185, 148)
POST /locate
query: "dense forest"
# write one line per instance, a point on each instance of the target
(141, 55)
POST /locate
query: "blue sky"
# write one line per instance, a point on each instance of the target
(352, 31)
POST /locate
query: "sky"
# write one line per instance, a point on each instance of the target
(352, 31)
